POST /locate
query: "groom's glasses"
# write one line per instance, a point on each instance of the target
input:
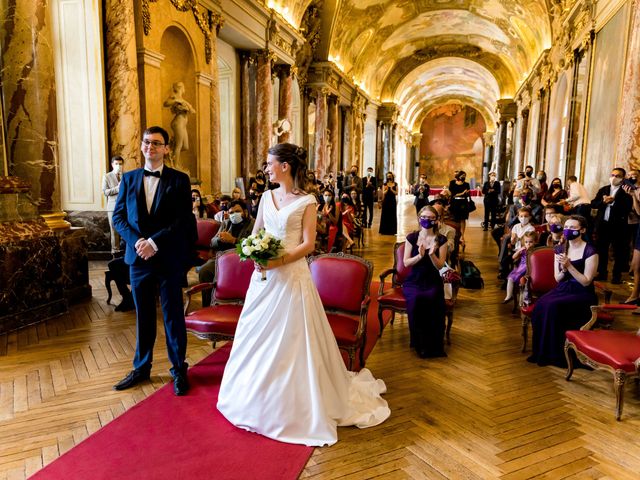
(154, 144)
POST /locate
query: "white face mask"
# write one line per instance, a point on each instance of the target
(524, 220)
(615, 181)
(117, 168)
(368, 174)
(235, 217)
(327, 199)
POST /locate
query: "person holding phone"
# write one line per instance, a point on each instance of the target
(568, 305)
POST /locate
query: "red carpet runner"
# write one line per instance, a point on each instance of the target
(185, 438)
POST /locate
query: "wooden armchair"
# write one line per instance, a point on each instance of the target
(614, 351)
(539, 280)
(343, 282)
(207, 229)
(392, 298)
(219, 320)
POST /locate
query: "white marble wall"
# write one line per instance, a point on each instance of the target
(78, 55)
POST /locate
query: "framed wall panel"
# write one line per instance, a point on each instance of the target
(604, 101)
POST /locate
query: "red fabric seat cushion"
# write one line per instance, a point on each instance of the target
(329, 275)
(527, 310)
(610, 347)
(393, 297)
(222, 319)
(605, 317)
(344, 328)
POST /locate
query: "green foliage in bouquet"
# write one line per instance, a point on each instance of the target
(260, 247)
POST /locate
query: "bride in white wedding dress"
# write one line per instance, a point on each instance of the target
(285, 377)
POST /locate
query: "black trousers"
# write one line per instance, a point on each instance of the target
(617, 236)
(490, 211)
(367, 205)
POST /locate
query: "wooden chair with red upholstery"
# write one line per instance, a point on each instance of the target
(207, 229)
(614, 351)
(393, 298)
(540, 279)
(229, 289)
(343, 282)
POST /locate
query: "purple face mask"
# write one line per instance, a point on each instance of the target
(427, 223)
(555, 228)
(570, 234)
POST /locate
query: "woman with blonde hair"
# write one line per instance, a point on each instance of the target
(425, 251)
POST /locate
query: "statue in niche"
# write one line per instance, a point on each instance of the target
(180, 109)
(279, 128)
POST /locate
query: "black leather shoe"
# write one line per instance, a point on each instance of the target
(125, 306)
(180, 384)
(133, 378)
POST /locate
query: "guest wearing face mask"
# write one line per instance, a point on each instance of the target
(611, 228)
(541, 176)
(491, 191)
(328, 221)
(630, 186)
(529, 181)
(198, 208)
(353, 180)
(369, 188)
(261, 183)
(110, 188)
(567, 306)
(388, 219)
(513, 241)
(555, 194)
(254, 200)
(425, 252)
(529, 240)
(421, 193)
(237, 227)
(223, 214)
(554, 225)
(460, 198)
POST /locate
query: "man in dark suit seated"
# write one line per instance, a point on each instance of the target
(153, 215)
(611, 227)
(239, 225)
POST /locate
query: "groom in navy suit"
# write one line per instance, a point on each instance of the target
(153, 215)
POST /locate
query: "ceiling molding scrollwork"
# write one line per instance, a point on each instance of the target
(205, 19)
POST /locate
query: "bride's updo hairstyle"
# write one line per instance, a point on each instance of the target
(296, 157)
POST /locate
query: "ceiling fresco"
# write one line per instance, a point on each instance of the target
(393, 48)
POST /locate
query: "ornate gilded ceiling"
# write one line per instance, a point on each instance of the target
(417, 52)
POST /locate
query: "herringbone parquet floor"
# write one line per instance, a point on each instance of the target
(483, 412)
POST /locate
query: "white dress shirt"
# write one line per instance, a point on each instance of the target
(150, 187)
(607, 211)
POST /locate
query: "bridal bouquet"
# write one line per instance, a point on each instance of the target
(260, 248)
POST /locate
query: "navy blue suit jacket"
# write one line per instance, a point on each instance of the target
(170, 224)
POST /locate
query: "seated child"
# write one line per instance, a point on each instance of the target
(529, 240)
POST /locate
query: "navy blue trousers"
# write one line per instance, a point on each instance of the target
(146, 281)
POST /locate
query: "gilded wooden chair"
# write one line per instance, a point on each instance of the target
(614, 351)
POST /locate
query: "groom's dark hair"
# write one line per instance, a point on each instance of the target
(156, 129)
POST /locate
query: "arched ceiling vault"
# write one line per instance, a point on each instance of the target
(387, 45)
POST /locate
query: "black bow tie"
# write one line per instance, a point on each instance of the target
(153, 174)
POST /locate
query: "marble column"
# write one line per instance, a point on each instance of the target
(628, 140)
(29, 91)
(508, 149)
(265, 106)
(333, 126)
(123, 98)
(285, 98)
(347, 137)
(379, 167)
(246, 88)
(487, 138)
(320, 145)
(386, 149)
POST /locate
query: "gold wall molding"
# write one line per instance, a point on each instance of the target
(205, 19)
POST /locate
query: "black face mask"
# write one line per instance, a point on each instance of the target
(529, 174)
(252, 195)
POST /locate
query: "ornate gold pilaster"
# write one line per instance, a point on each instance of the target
(123, 96)
(214, 96)
(334, 134)
(320, 145)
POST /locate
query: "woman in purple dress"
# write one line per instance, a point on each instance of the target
(425, 251)
(566, 307)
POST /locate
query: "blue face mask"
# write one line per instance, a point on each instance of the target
(427, 223)
(570, 234)
(555, 228)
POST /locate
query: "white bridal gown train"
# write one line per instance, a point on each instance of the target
(285, 377)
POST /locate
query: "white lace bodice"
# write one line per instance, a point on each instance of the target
(286, 223)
